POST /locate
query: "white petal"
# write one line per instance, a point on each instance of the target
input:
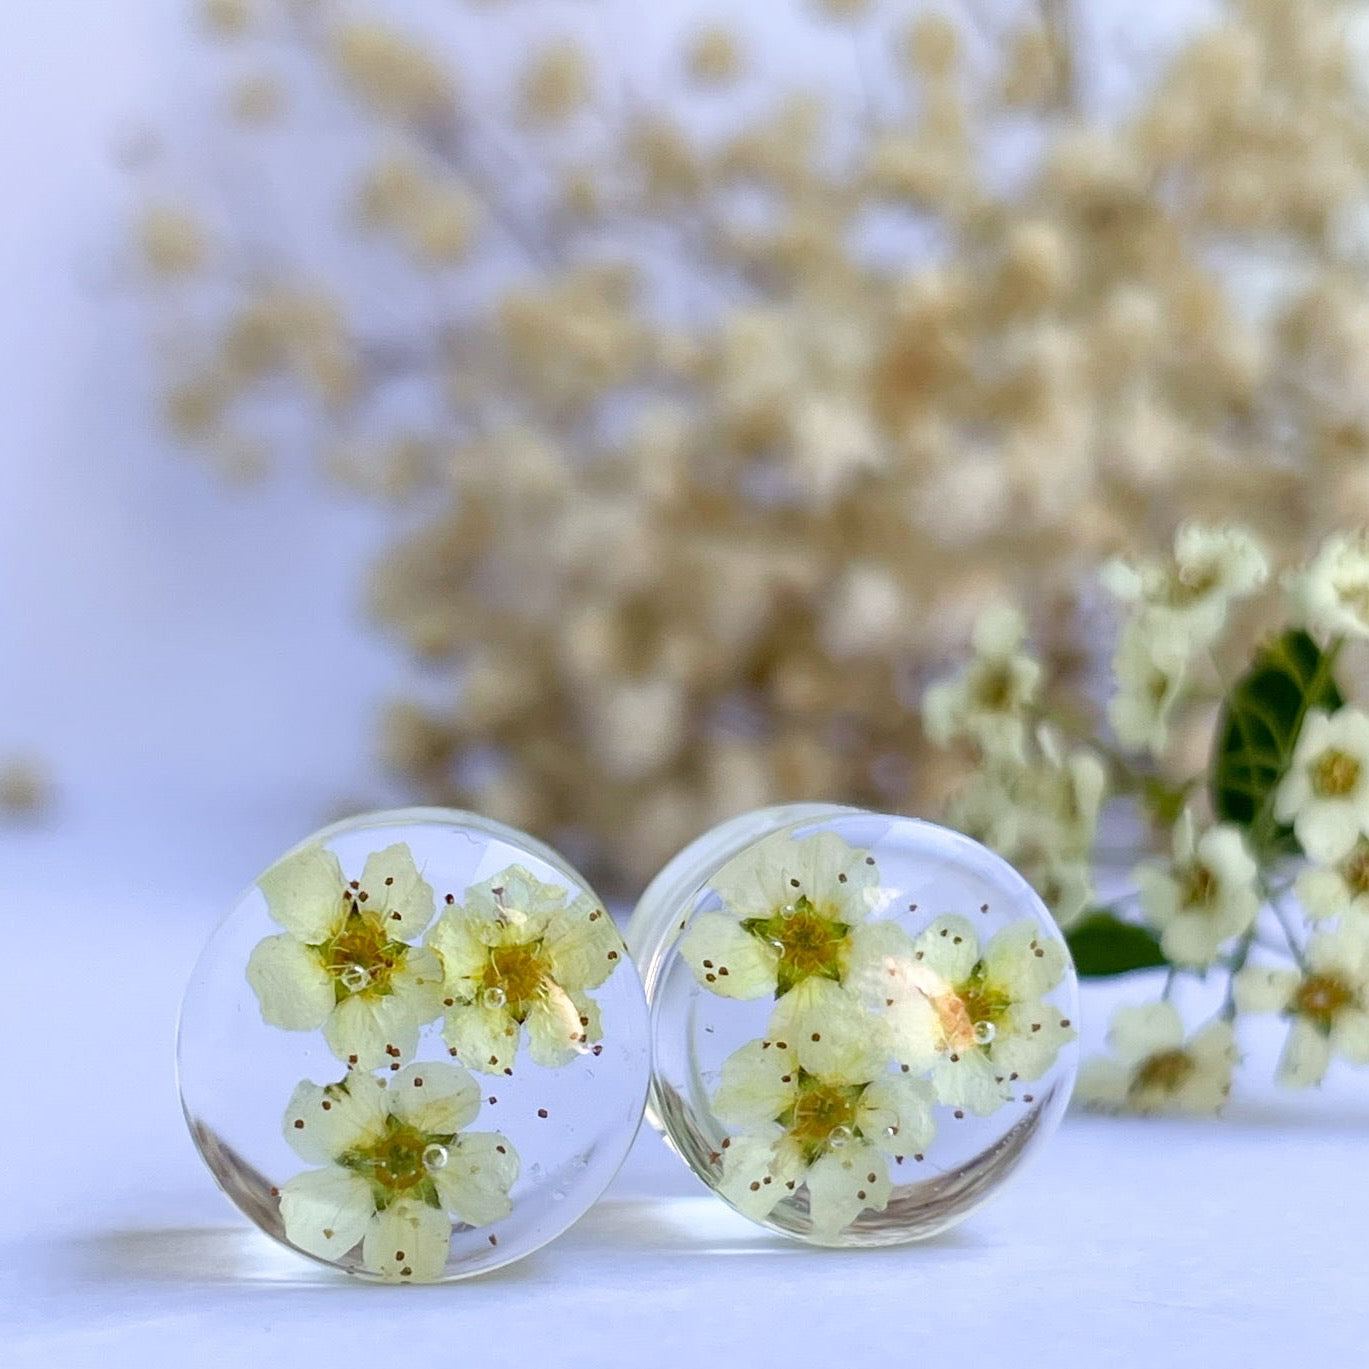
(464, 955)
(1260, 988)
(844, 1183)
(484, 1039)
(1192, 939)
(832, 1032)
(396, 892)
(434, 1097)
(755, 1173)
(714, 943)
(474, 1184)
(409, 1240)
(554, 1029)
(970, 1082)
(759, 1081)
(1140, 1030)
(416, 985)
(292, 987)
(326, 1211)
(1024, 960)
(880, 954)
(949, 947)
(323, 1122)
(584, 945)
(369, 1030)
(1322, 893)
(915, 1031)
(1327, 831)
(1350, 1035)
(1306, 1055)
(304, 894)
(1029, 1038)
(835, 875)
(1103, 1083)
(895, 1114)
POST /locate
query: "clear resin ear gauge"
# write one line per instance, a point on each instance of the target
(862, 1024)
(417, 1048)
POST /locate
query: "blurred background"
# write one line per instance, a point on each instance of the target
(610, 418)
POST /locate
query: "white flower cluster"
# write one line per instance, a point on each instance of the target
(872, 1031)
(1287, 775)
(1032, 800)
(514, 960)
(1178, 610)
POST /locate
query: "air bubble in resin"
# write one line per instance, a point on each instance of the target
(862, 1024)
(416, 1049)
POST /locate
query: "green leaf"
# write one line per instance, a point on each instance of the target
(1103, 945)
(1261, 719)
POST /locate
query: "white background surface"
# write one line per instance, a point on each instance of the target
(173, 651)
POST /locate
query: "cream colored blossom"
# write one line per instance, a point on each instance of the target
(1340, 889)
(520, 955)
(392, 73)
(834, 1131)
(1331, 594)
(977, 1019)
(398, 1167)
(989, 700)
(1204, 896)
(1153, 1069)
(1184, 603)
(1042, 816)
(345, 961)
(714, 56)
(795, 923)
(1326, 1004)
(556, 83)
(173, 241)
(1149, 681)
(1325, 794)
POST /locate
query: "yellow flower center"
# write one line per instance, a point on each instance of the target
(1163, 1072)
(823, 1116)
(361, 958)
(971, 1012)
(1334, 774)
(1199, 885)
(994, 687)
(515, 977)
(1355, 869)
(1321, 998)
(401, 1163)
(811, 941)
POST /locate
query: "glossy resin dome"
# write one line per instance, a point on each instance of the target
(862, 1024)
(416, 1049)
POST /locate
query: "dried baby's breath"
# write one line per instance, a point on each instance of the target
(735, 426)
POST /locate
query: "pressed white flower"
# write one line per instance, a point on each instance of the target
(1149, 678)
(1325, 794)
(1184, 603)
(1331, 593)
(344, 962)
(833, 1131)
(520, 955)
(794, 911)
(1327, 1004)
(1154, 1069)
(978, 1021)
(398, 1168)
(1204, 896)
(1337, 890)
(988, 701)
